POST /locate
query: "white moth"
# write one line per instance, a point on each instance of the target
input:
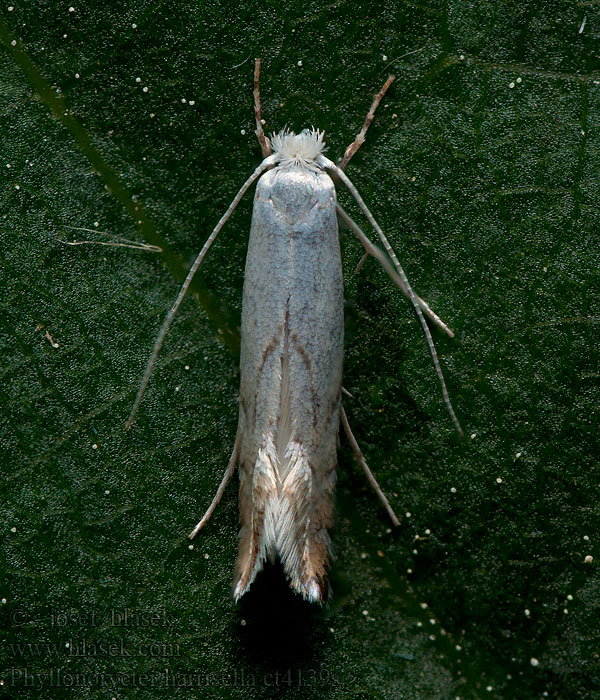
(291, 358)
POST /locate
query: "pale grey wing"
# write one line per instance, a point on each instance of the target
(291, 367)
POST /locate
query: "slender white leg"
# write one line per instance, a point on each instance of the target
(360, 137)
(222, 486)
(265, 145)
(369, 474)
(330, 165)
(377, 253)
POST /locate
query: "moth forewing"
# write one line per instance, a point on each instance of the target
(291, 378)
(291, 358)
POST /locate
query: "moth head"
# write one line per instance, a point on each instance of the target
(301, 149)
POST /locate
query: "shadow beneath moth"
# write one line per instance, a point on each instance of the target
(292, 355)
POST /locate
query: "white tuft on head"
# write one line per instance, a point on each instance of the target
(301, 149)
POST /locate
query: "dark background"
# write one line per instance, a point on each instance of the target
(483, 166)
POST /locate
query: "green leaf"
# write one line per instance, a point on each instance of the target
(482, 165)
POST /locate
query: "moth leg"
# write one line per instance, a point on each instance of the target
(360, 137)
(331, 166)
(368, 473)
(377, 253)
(361, 262)
(265, 144)
(226, 477)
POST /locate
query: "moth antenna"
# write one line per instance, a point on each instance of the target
(267, 163)
(330, 165)
(379, 255)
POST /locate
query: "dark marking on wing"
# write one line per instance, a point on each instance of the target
(306, 359)
(271, 347)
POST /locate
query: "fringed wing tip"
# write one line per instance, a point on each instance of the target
(314, 591)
